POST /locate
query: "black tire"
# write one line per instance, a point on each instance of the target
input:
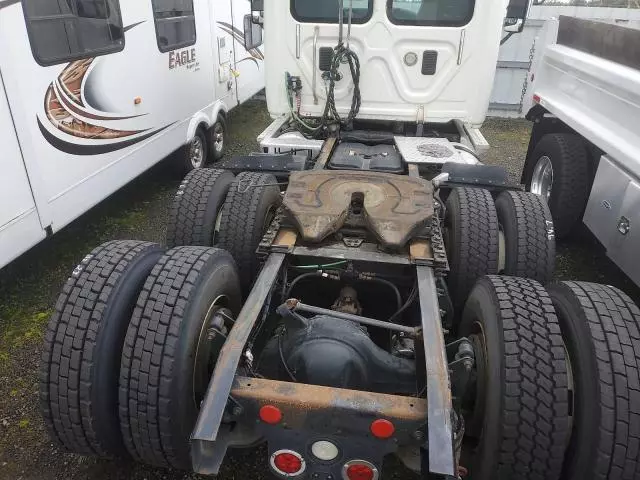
(195, 207)
(245, 213)
(520, 407)
(471, 233)
(199, 138)
(218, 138)
(571, 178)
(83, 342)
(530, 244)
(601, 328)
(158, 404)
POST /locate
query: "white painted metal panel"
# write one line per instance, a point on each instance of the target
(613, 216)
(391, 88)
(20, 227)
(15, 193)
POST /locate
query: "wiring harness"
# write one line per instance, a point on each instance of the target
(342, 54)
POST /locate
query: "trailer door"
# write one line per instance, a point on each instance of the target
(19, 223)
(224, 44)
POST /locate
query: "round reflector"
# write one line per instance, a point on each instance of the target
(382, 428)
(359, 470)
(288, 463)
(270, 414)
(324, 450)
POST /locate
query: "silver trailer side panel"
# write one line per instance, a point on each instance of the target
(613, 215)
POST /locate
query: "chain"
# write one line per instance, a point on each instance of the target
(525, 84)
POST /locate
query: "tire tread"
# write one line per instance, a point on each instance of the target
(613, 321)
(186, 221)
(70, 340)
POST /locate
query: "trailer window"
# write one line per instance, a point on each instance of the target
(61, 31)
(326, 11)
(445, 13)
(175, 24)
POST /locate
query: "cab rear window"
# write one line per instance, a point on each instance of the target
(326, 11)
(441, 13)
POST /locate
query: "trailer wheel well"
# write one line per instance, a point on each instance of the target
(546, 124)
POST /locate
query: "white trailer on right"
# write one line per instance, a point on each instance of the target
(584, 152)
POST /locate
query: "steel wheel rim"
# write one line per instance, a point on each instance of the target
(218, 137)
(476, 415)
(203, 351)
(542, 178)
(217, 227)
(196, 153)
(502, 250)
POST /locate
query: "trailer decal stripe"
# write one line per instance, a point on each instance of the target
(72, 108)
(7, 3)
(133, 25)
(80, 149)
(239, 37)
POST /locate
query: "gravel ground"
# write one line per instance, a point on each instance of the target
(29, 286)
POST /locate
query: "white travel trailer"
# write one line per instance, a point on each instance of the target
(94, 92)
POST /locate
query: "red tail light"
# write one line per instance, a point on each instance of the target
(382, 429)
(288, 463)
(270, 414)
(359, 470)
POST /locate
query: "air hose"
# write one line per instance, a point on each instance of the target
(341, 54)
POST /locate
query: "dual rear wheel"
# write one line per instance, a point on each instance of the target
(131, 347)
(513, 235)
(214, 208)
(557, 385)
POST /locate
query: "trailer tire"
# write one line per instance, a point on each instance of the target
(518, 412)
(471, 235)
(570, 163)
(196, 206)
(83, 341)
(601, 328)
(529, 239)
(218, 139)
(251, 203)
(161, 379)
(195, 153)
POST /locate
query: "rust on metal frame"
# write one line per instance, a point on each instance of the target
(297, 400)
(325, 153)
(421, 250)
(439, 429)
(393, 207)
(215, 402)
(286, 238)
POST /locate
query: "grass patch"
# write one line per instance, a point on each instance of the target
(20, 328)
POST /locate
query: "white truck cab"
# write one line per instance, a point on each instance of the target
(406, 68)
(419, 61)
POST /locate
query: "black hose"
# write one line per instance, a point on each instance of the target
(282, 359)
(330, 114)
(340, 53)
(298, 279)
(382, 281)
(410, 299)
